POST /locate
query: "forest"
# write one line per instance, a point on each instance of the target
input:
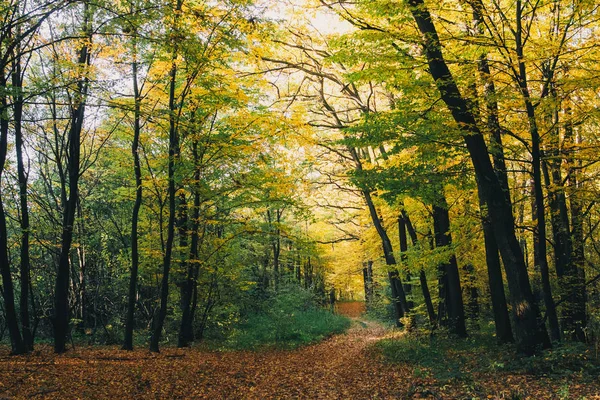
(321, 199)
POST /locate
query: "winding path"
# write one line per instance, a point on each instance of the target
(342, 367)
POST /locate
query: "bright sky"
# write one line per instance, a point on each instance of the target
(320, 18)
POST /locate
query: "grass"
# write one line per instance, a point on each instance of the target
(287, 331)
(447, 359)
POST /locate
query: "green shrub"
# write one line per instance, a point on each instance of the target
(287, 319)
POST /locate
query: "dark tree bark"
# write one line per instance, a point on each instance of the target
(450, 278)
(495, 280)
(173, 157)
(186, 331)
(368, 281)
(25, 265)
(403, 240)
(422, 276)
(537, 180)
(308, 273)
(528, 329)
(61, 300)
(398, 295)
(574, 315)
(137, 169)
(18, 346)
(472, 296)
(274, 224)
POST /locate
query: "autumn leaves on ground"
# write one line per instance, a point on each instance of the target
(345, 366)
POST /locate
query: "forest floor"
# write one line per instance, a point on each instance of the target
(345, 366)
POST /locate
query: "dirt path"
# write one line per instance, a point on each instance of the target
(334, 369)
(341, 367)
(338, 368)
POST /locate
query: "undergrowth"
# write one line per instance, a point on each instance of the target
(445, 358)
(287, 319)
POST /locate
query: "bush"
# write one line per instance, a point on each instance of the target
(288, 319)
(447, 359)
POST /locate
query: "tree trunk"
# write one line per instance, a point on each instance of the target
(25, 265)
(398, 295)
(274, 221)
(537, 181)
(528, 329)
(403, 240)
(422, 276)
(186, 331)
(472, 297)
(495, 279)
(368, 281)
(61, 300)
(18, 346)
(137, 169)
(173, 157)
(449, 270)
(574, 315)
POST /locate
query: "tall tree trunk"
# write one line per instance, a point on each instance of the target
(274, 221)
(495, 281)
(575, 318)
(422, 276)
(403, 240)
(537, 180)
(186, 331)
(82, 258)
(25, 265)
(308, 273)
(137, 170)
(398, 295)
(449, 270)
(61, 300)
(172, 193)
(18, 346)
(529, 332)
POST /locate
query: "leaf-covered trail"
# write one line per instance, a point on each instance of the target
(341, 367)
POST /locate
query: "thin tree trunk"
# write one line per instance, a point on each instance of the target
(137, 169)
(61, 300)
(472, 296)
(403, 240)
(368, 281)
(398, 295)
(18, 346)
(422, 276)
(173, 156)
(81, 257)
(25, 265)
(186, 331)
(575, 318)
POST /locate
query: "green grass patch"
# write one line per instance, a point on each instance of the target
(447, 359)
(286, 330)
